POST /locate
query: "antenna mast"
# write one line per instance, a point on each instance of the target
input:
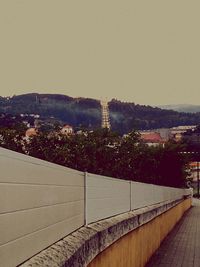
(105, 123)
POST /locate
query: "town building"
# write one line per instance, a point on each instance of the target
(177, 132)
(30, 132)
(152, 138)
(67, 130)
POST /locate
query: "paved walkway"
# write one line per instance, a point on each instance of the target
(181, 248)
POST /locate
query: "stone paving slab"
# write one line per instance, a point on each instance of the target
(181, 248)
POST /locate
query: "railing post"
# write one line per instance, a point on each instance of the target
(85, 198)
(198, 177)
(130, 195)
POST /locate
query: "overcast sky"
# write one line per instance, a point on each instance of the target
(147, 52)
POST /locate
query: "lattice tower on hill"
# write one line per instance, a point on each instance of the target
(105, 123)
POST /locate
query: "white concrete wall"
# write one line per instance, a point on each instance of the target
(106, 197)
(40, 203)
(143, 195)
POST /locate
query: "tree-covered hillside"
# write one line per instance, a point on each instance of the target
(86, 112)
(126, 116)
(80, 112)
(182, 108)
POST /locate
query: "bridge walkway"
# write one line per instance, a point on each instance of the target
(181, 248)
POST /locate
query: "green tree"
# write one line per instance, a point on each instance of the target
(106, 153)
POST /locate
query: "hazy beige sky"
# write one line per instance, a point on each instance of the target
(142, 51)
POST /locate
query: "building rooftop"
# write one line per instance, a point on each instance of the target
(151, 137)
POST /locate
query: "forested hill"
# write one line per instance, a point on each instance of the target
(130, 115)
(82, 112)
(182, 108)
(86, 112)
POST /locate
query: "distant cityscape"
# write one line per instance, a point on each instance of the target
(34, 123)
(87, 113)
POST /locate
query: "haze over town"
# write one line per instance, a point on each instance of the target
(147, 54)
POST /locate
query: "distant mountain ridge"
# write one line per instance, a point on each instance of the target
(86, 112)
(189, 108)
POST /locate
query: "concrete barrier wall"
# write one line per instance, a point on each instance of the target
(40, 203)
(106, 197)
(143, 195)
